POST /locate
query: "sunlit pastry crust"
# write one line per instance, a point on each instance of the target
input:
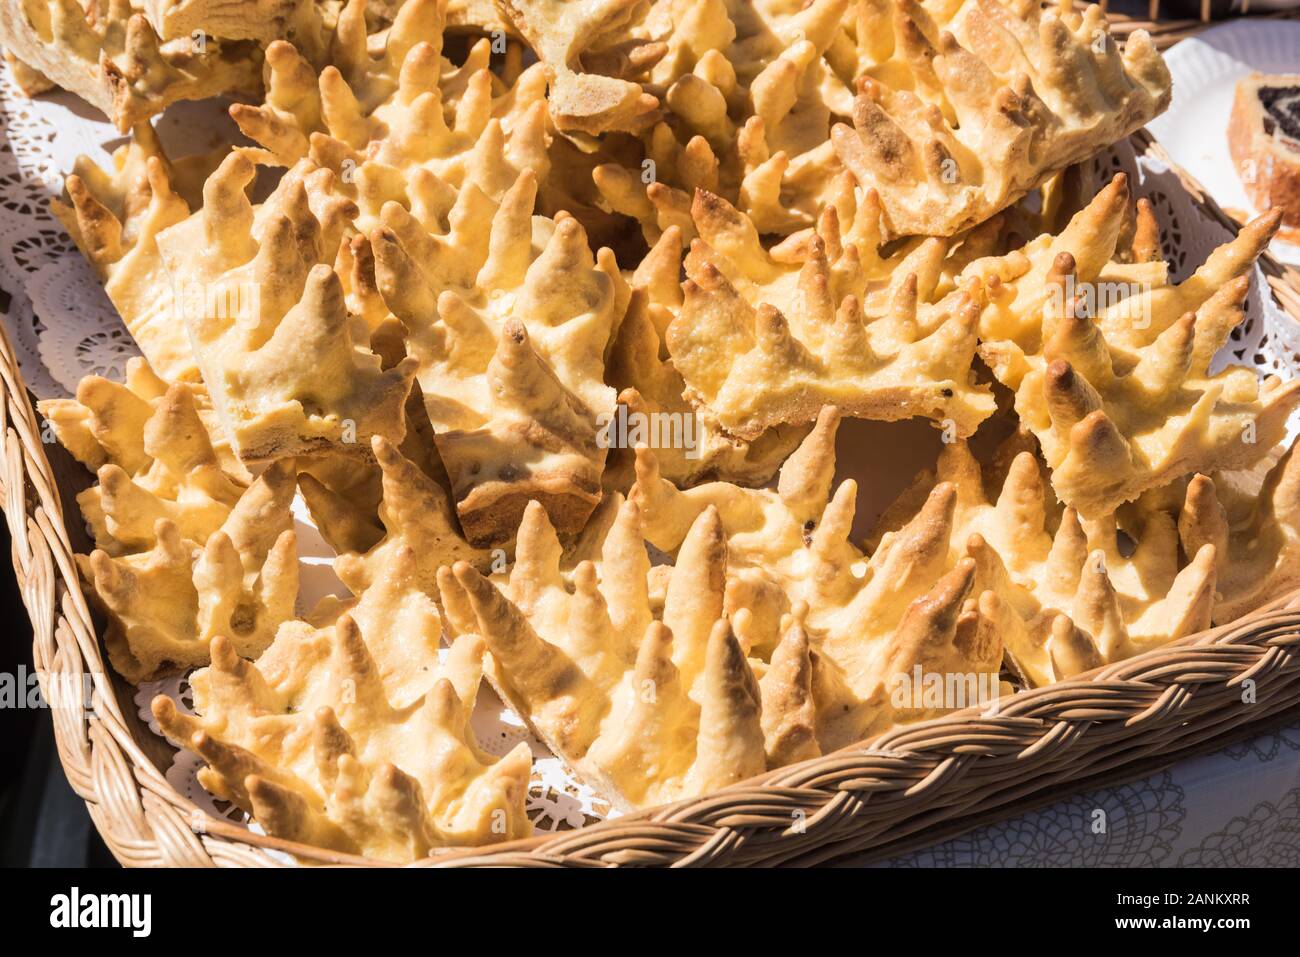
(1071, 596)
(348, 734)
(115, 60)
(750, 102)
(563, 31)
(760, 341)
(268, 319)
(967, 106)
(165, 605)
(640, 681)
(1124, 401)
(1265, 145)
(115, 216)
(405, 125)
(508, 316)
(150, 445)
(695, 448)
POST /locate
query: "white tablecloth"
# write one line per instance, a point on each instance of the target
(1239, 807)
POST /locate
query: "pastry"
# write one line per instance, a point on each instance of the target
(508, 318)
(562, 33)
(263, 20)
(652, 700)
(114, 58)
(151, 450)
(115, 216)
(1264, 140)
(415, 513)
(167, 603)
(1157, 570)
(964, 107)
(269, 323)
(557, 354)
(690, 443)
(766, 528)
(406, 126)
(750, 102)
(1071, 598)
(760, 342)
(1123, 401)
(348, 734)
(1256, 534)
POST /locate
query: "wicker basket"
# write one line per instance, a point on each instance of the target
(1168, 30)
(912, 786)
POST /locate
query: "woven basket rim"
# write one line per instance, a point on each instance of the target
(1151, 697)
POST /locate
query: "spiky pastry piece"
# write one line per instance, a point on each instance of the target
(406, 126)
(1124, 401)
(964, 107)
(509, 324)
(760, 342)
(1073, 593)
(115, 216)
(29, 80)
(565, 661)
(166, 604)
(349, 735)
(847, 235)
(639, 679)
(263, 20)
(766, 528)
(415, 513)
(424, 130)
(690, 445)
(561, 32)
(149, 447)
(1256, 537)
(750, 102)
(270, 325)
(113, 58)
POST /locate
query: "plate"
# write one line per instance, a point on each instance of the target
(1205, 69)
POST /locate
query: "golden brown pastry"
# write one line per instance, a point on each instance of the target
(166, 604)
(1072, 597)
(749, 101)
(762, 339)
(1122, 399)
(415, 513)
(114, 58)
(151, 449)
(639, 680)
(290, 373)
(964, 107)
(349, 734)
(115, 216)
(407, 126)
(508, 318)
(561, 33)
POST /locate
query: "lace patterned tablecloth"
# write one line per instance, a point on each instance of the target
(1240, 806)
